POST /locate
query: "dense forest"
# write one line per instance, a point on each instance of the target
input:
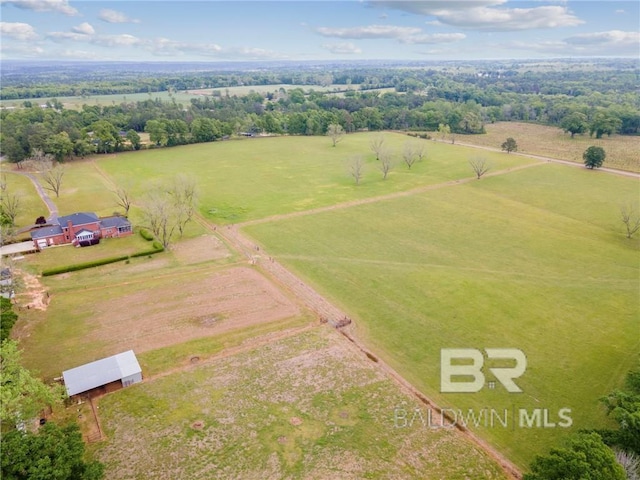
(598, 99)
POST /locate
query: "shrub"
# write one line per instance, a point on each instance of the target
(146, 234)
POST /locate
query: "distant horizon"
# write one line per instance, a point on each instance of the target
(320, 30)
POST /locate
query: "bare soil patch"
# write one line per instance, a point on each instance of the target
(204, 248)
(184, 309)
(34, 295)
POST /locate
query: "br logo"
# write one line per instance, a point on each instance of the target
(472, 368)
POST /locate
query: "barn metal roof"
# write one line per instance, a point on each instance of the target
(100, 372)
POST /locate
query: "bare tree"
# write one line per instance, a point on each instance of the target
(356, 168)
(184, 193)
(335, 132)
(386, 163)
(480, 166)
(10, 206)
(159, 215)
(409, 154)
(125, 199)
(630, 218)
(3, 183)
(377, 143)
(51, 174)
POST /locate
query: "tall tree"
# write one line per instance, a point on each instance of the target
(51, 174)
(585, 457)
(356, 168)
(409, 154)
(479, 165)
(10, 206)
(22, 395)
(54, 453)
(335, 132)
(631, 219)
(575, 122)
(386, 163)
(594, 157)
(377, 143)
(510, 145)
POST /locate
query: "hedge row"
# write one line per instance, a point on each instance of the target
(157, 247)
(146, 234)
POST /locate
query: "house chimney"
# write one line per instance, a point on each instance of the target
(70, 233)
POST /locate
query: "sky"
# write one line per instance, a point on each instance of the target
(299, 30)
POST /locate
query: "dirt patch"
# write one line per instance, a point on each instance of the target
(183, 309)
(295, 421)
(204, 248)
(34, 295)
(198, 425)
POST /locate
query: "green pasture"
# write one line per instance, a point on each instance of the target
(30, 205)
(534, 259)
(255, 178)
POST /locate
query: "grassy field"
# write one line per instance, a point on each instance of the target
(303, 407)
(31, 207)
(255, 178)
(534, 259)
(622, 151)
(182, 96)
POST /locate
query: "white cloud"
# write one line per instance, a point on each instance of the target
(620, 11)
(84, 29)
(60, 6)
(342, 48)
(18, 31)
(614, 42)
(483, 14)
(612, 38)
(429, 38)
(113, 16)
(22, 50)
(370, 31)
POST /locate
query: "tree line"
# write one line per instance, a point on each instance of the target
(63, 133)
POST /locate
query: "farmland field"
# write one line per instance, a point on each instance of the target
(430, 258)
(523, 260)
(623, 151)
(307, 406)
(293, 173)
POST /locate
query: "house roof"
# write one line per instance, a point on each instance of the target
(100, 372)
(80, 218)
(114, 222)
(46, 232)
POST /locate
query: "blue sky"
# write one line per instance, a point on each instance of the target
(317, 30)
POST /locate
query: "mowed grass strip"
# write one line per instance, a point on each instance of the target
(308, 406)
(623, 151)
(255, 178)
(506, 262)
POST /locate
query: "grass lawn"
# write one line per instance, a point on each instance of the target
(30, 206)
(534, 259)
(69, 255)
(623, 151)
(308, 406)
(255, 178)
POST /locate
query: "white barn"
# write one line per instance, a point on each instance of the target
(123, 367)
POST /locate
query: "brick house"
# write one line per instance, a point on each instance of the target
(80, 227)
